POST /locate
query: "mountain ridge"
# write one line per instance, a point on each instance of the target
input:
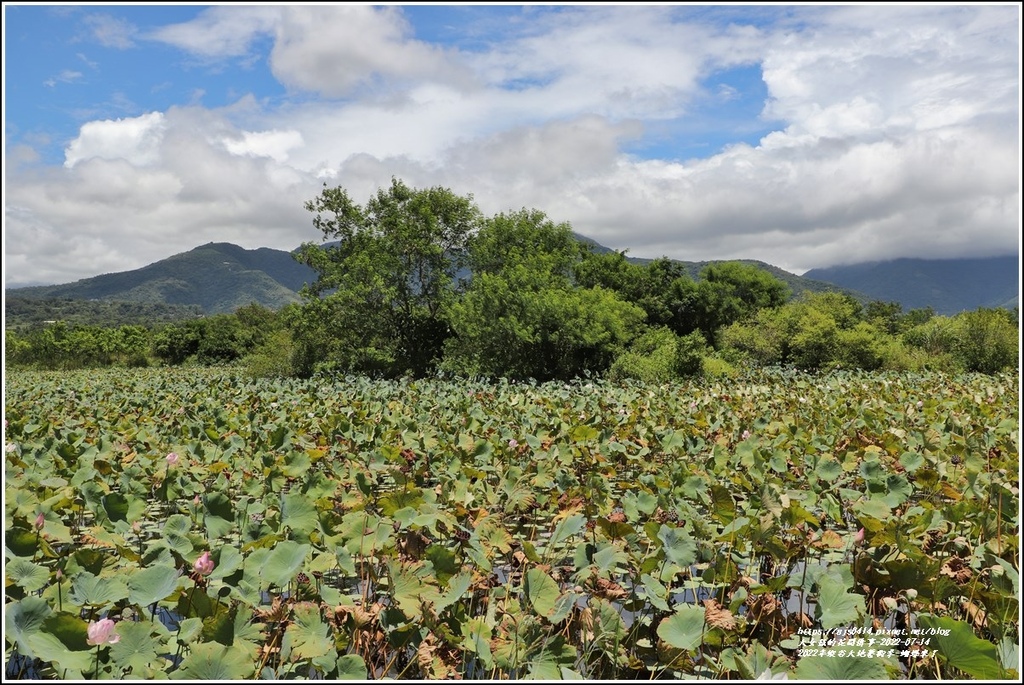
(220, 277)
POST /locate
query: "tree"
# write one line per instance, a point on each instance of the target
(385, 284)
(522, 316)
(652, 287)
(727, 292)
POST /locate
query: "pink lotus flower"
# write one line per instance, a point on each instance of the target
(513, 443)
(204, 564)
(746, 434)
(858, 537)
(173, 458)
(40, 521)
(102, 632)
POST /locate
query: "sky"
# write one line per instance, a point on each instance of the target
(799, 135)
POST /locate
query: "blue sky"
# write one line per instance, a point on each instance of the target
(800, 135)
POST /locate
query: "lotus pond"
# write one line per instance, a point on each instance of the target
(200, 524)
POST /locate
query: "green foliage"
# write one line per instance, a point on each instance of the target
(987, 340)
(523, 317)
(25, 314)
(428, 529)
(690, 352)
(651, 358)
(517, 326)
(388, 279)
(727, 292)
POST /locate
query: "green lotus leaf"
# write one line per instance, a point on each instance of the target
(542, 591)
(49, 648)
(26, 575)
(87, 589)
(656, 592)
(898, 490)
(152, 584)
(116, 506)
(214, 661)
(552, 661)
(21, 541)
(69, 628)
(226, 560)
(137, 648)
(476, 638)
(299, 514)
(828, 470)
(566, 528)
(912, 461)
(351, 667)
(684, 629)
(679, 545)
(960, 648)
(23, 618)
(189, 629)
(445, 562)
(823, 668)
(410, 590)
(836, 606)
(457, 587)
(219, 627)
(283, 563)
(308, 637)
(874, 508)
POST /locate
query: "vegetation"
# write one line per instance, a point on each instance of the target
(477, 448)
(23, 314)
(206, 525)
(418, 282)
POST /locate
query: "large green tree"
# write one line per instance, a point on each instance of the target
(524, 316)
(385, 280)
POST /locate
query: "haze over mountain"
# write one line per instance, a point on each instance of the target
(946, 285)
(221, 277)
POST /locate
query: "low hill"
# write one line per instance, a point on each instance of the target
(217, 277)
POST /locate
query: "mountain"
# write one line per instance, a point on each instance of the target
(948, 286)
(218, 277)
(221, 277)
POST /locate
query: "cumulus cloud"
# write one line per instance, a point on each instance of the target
(335, 50)
(136, 140)
(273, 144)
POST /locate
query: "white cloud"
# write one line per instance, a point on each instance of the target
(66, 76)
(136, 140)
(273, 144)
(222, 31)
(899, 137)
(336, 50)
(110, 31)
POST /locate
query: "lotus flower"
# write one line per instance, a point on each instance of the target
(513, 443)
(172, 458)
(204, 564)
(102, 632)
(40, 521)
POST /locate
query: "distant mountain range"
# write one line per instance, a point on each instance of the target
(946, 285)
(221, 277)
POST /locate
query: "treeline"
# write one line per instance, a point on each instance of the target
(419, 282)
(25, 313)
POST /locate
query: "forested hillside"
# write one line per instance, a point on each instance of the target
(946, 285)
